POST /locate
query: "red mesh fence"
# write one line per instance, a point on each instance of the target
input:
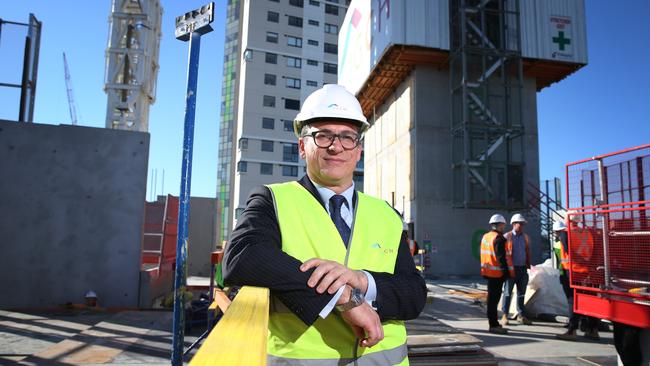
(627, 235)
(609, 228)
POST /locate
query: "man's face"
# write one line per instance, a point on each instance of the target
(501, 227)
(332, 166)
(518, 227)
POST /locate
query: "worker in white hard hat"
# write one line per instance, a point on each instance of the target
(518, 249)
(582, 241)
(335, 293)
(495, 268)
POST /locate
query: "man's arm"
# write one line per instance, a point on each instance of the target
(500, 252)
(254, 257)
(401, 295)
(527, 241)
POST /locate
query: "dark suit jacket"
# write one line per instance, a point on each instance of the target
(254, 257)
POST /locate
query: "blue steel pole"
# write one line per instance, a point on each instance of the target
(184, 202)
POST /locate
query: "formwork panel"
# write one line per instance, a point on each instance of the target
(72, 203)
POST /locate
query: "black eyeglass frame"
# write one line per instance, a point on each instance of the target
(333, 137)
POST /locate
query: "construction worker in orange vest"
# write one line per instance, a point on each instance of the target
(582, 247)
(518, 249)
(495, 268)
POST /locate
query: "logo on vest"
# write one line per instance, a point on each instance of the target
(378, 246)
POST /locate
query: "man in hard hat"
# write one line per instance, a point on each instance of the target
(337, 261)
(582, 241)
(495, 268)
(518, 247)
(561, 251)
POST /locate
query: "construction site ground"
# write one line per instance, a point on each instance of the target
(451, 330)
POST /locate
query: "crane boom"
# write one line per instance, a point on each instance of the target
(68, 86)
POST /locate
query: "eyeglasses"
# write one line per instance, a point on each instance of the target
(325, 139)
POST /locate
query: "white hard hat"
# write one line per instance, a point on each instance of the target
(559, 226)
(518, 218)
(574, 216)
(332, 101)
(91, 294)
(497, 218)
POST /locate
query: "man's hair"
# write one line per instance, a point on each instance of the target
(304, 131)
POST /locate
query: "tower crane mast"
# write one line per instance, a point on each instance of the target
(68, 87)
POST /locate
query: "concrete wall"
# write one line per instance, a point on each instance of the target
(203, 229)
(72, 207)
(408, 151)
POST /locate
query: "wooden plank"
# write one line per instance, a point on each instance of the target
(221, 301)
(437, 340)
(240, 336)
(422, 351)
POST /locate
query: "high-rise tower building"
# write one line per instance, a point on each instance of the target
(276, 53)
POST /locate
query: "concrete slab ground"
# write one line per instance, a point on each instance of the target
(457, 303)
(144, 337)
(88, 338)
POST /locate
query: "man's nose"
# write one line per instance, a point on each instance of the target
(336, 145)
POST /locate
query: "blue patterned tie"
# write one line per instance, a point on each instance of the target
(343, 228)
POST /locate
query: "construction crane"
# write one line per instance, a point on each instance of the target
(68, 87)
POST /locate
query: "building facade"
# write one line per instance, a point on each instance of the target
(450, 88)
(277, 52)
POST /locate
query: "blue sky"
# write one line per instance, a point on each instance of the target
(601, 108)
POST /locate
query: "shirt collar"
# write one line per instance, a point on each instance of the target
(326, 193)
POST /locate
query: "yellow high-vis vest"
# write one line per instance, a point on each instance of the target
(307, 232)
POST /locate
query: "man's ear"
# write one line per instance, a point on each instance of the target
(301, 148)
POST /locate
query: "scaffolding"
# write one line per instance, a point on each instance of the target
(486, 111)
(132, 63)
(29, 73)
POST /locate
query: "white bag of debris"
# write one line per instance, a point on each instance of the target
(544, 294)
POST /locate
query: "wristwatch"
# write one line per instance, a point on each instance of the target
(356, 299)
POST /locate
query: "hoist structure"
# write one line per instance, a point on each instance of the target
(132, 63)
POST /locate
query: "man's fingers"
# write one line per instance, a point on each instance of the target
(336, 285)
(333, 275)
(318, 273)
(310, 264)
(358, 331)
(375, 334)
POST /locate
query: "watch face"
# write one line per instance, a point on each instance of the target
(356, 296)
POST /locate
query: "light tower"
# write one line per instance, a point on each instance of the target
(132, 63)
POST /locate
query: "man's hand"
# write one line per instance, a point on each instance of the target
(365, 323)
(331, 275)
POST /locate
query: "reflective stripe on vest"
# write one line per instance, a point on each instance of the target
(395, 356)
(563, 256)
(307, 232)
(490, 266)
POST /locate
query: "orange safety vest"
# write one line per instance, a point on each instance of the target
(508, 237)
(581, 243)
(490, 266)
(412, 246)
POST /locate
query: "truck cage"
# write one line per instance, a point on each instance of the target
(608, 199)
